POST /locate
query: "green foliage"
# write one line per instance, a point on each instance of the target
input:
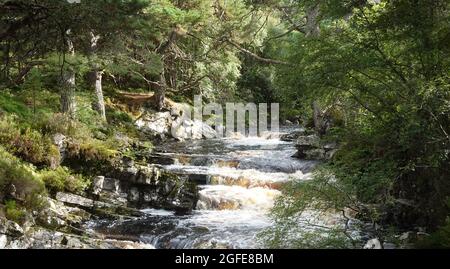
(18, 180)
(118, 117)
(380, 66)
(10, 104)
(439, 239)
(385, 68)
(93, 150)
(27, 143)
(303, 202)
(62, 179)
(13, 213)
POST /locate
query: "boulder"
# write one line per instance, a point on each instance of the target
(133, 195)
(73, 199)
(57, 215)
(310, 147)
(307, 142)
(102, 184)
(189, 129)
(161, 189)
(166, 124)
(47, 239)
(60, 141)
(406, 237)
(293, 136)
(3, 241)
(10, 228)
(147, 175)
(373, 244)
(97, 184)
(315, 154)
(140, 186)
(156, 124)
(389, 246)
(208, 132)
(111, 185)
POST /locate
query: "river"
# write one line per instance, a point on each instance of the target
(239, 179)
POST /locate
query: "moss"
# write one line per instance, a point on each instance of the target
(61, 179)
(19, 181)
(12, 212)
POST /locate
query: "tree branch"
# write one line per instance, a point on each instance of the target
(255, 56)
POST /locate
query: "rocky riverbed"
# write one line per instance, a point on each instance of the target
(202, 193)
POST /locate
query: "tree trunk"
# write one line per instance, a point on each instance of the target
(312, 21)
(68, 105)
(97, 75)
(6, 50)
(99, 93)
(160, 93)
(318, 119)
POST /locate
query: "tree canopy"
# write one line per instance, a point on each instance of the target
(378, 68)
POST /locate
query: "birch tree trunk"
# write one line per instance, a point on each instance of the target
(100, 106)
(97, 75)
(68, 104)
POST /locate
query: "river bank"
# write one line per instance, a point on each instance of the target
(210, 193)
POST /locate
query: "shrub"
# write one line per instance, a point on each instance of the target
(27, 143)
(18, 180)
(117, 116)
(10, 104)
(61, 179)
(12, 212)
(63, 124)
(303, 202)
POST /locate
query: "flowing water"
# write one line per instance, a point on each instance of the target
(239, 179)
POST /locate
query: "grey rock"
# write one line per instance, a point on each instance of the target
(208, 132)
(145, 175)
(315, 154)
(330, 146)
(171, 124)
(57, 215)
(97, 184)
(155, 124)
(59, 140)
(389, 246)
(406, 237)
(291, 137)
(11, 228)
(373, 244)
(310, 147)
(133, 195)
(330, 154)
(74, 199)
(3, 241)
(111, 185)
(422, 235)
(46, 239)
(307, 142)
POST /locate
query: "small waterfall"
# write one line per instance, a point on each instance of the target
(240, 178)
(220, 197)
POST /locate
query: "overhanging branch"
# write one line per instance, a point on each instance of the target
(255, 56)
